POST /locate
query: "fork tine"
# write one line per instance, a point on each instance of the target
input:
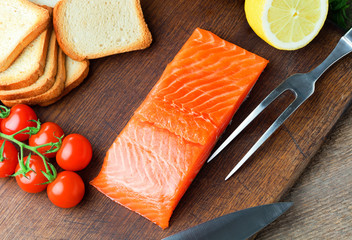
(284, 115)
(269, 99)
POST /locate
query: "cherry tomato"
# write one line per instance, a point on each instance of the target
(4, 111)
(75, 153)
(67, 190)
(19, 118)
(49, 132)
(0, 120)
(32, 183)
(10, 159)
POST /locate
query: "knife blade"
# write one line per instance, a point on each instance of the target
(235, 226)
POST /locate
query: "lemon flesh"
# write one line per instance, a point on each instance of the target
(286, 24)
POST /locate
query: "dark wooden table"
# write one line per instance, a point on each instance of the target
(322, 195)
(116, 86)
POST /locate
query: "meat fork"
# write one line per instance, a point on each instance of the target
(301, 84)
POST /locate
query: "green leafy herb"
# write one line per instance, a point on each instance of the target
(340, 12)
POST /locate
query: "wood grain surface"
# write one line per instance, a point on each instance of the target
(116, 86)
(322, 196)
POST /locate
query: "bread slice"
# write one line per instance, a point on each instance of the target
(53, 92)
(20, 23)
(27, 68)
(44, 82)
(49, 3)
(97, 28)
(76, 72)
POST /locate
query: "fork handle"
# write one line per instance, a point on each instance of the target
(343, 47)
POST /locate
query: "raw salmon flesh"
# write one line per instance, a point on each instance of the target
(154, 159)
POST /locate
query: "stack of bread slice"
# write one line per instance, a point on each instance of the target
(33, 68)
(43, 57)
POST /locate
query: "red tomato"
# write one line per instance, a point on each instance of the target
(9, 163)
(67, 190)
(3, 109)
(0, 121)
(19, 118)
(75, 153)
(47, 134)
(32, 183)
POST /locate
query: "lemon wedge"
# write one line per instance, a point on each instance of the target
(286, 24)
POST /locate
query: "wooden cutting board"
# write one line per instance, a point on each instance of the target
(116, 86)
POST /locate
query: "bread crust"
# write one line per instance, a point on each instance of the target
(36, 72)
(78, 79)
(53, 92)
(35, 31)
(47, 80)
(69, 50)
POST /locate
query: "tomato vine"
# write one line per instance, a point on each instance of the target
(50, 171)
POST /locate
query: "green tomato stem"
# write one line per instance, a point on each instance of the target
(20, 162)
(2, 151)
(5, 112)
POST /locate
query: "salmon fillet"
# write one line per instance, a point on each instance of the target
(155, 158)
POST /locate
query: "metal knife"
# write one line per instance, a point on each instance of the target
(235, 226)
